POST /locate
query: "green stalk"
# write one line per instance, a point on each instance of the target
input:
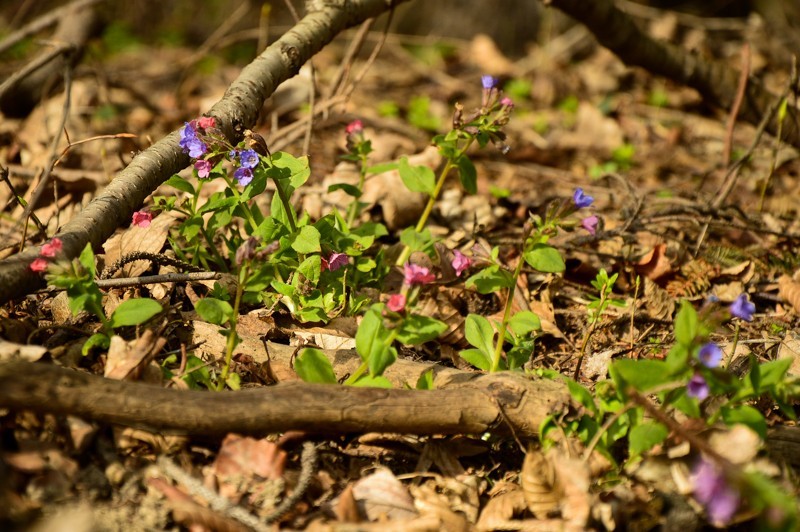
(354, 209)
(423, 219)
(284, 197)
(498, 349)
(231, 343)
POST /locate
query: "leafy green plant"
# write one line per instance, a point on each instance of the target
(78, 279)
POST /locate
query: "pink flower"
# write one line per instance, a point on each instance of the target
(52, 248)
(142, 219)
(335, 261)
(205, 122)
(712, 490)
(203, 168)
(396, 303)
(38, 265)
(415, 274)
(355, 127)
(507, 102)
(590, 224)
(460, 262)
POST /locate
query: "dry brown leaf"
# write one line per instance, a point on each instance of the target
(382, 496)
(484, 53)
(654, 264)
(346, 508)
(14, 351)
(573, 477)
(657, 301)
(149, 239)
(539, 484)
(502, 508)
(243, 462)
(790, 348)
(789, 291)
(127, 360)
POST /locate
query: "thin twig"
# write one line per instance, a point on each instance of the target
(48, 19)
(36, 64)
(737, 104)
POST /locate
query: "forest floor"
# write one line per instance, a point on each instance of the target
(651, 153)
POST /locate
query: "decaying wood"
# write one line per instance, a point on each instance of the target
(501, 403)
(235, 112)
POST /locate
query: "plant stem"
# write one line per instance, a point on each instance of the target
(498, 349)
(284, 197)
(231, 343)
(355, 209)
(423, 219)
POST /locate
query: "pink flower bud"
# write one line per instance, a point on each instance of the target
(590, 224)
(396, 303)
(38, 265)
(205, 122)
(356, 127)
(203, 168)
(416, 274)
(460, 262)
(52, 248)
(142, 219)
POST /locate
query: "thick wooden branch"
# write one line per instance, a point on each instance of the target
(501, 403)
(238, 110)
(714, 80)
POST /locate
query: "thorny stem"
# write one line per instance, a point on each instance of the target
(231, 343)
(498, 349)
(423, 219)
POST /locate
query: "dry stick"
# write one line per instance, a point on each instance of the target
(714, 80)
(312, 93)
(349, 57)
(17, 197)
(347, 91)
(238, 110)
(39, 190)
(36, 64)
(471, 404)
(730, 177)
(48, 19)
(218, 36)
(155, 258)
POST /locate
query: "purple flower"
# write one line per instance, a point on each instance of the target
(697, 387)
(248, 158)
(710, 355)
(590, 224)
(203, 168)
(189, 142)
(335, 261)
(460, 262)
(712, 491)
(415, 274)
(742, 308)
(489, 82)
(581, 200)
(243, 176)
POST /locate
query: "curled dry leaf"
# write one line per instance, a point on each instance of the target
(654, 264)
(789, 291)
(542, 492)
(382, 496)
(502, 508)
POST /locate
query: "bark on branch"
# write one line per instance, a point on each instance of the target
(238, 110)
(502, 403)
(715, 81)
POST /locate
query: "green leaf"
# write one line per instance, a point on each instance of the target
(524, 322)
(676, 361)
(644, 437)
(467, 174)
(686, 325)
(99, 340)
(135, 312)
(214, 310)
(381, 168)
(417, 329)
(479, 333)
(307, 240)
(296, 169)
(477, 358)
(350, 190)
(372, 341)
(582, 396)
(233, 381)
(311, 268)
(417, 178)
(416, 241)
(425, 380)
(544, 258)
(313, 366)
(745, 415)
(373, 381)
(644, 375)
(180, 183)
(86, 259)
(773, 372)
(490, 280)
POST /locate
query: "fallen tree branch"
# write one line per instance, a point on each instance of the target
(501, 403)
(236, 111)
(715, 81)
